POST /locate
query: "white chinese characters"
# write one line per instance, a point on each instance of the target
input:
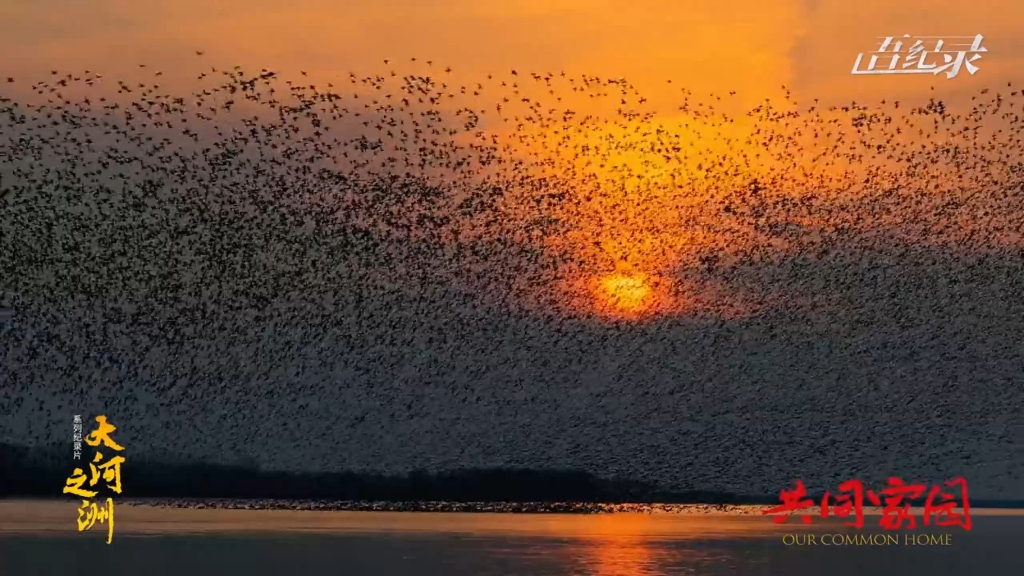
(923, 55)
(78, 436)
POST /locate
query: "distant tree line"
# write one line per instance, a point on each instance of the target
(42, 471)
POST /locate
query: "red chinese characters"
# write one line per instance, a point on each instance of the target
(792, 501)
(895, 501)
(944, 515)
(845, 504)
(897, 510)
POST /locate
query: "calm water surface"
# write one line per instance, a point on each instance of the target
(159, 542)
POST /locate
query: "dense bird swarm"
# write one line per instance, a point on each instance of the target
(413, 270)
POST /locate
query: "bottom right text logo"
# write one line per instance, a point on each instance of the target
(860, 539)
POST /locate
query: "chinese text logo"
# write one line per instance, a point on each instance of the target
(919, 58)
(894, 500)
(110, 471)
(78, 437)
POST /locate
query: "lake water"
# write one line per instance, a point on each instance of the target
(41, 539)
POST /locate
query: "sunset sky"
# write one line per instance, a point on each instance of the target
(821, 309)
(750, 46)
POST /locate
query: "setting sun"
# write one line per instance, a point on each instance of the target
(628, 293)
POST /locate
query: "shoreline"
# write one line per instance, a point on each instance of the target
(560, 508)
(57, 518)
(324, 505)
(447, 507)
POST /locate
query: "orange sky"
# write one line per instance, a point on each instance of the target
(752, 47)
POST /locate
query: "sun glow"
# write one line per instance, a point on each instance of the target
(626, 293)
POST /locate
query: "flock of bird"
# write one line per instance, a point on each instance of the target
(272, 261)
